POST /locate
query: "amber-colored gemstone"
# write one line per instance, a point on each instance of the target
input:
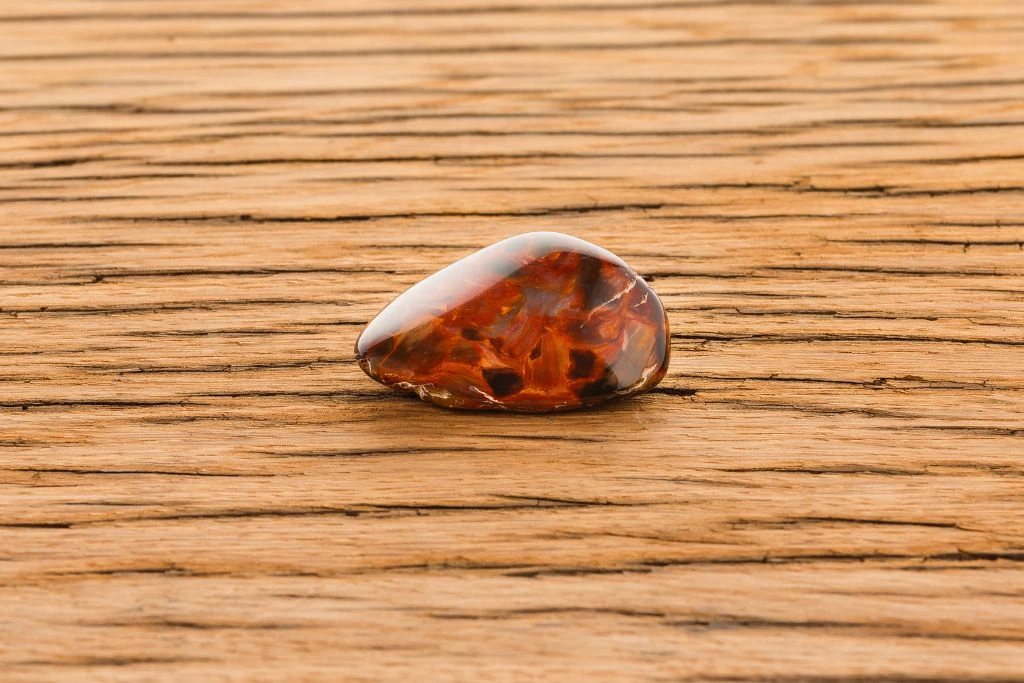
(538, 322)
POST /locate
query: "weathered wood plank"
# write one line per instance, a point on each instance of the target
(204, 201)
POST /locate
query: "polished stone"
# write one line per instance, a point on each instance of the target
(538, 322)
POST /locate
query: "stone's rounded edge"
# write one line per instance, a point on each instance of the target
(498, 406)
(660, 375)
(552, 242)
(655, 378)
(362, 353)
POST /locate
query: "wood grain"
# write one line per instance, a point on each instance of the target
(203, 202)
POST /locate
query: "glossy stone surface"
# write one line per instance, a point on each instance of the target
(538, 322)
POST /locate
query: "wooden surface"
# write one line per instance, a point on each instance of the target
(203, 202)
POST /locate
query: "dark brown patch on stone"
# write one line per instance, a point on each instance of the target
(607, 384)
(582, 363)
(503, 382)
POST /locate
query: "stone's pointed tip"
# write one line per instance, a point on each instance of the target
(535, 323)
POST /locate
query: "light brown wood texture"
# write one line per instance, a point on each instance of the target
(202, 202)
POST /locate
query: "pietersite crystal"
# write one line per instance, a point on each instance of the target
(535, 323)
